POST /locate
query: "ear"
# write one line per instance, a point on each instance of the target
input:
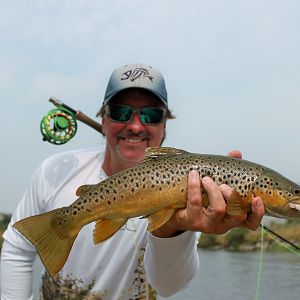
(164, 136)
(103, 126)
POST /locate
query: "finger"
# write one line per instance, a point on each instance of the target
(194, 207)
(255, 217)
(216, 200)
(194, 190)
(235, 154)
(226, 191)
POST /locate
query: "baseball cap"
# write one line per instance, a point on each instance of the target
(136, 76)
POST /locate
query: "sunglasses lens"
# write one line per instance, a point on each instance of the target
(151, 115)
(148, 115)
(120, 113)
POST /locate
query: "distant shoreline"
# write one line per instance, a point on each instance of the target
(244, 240)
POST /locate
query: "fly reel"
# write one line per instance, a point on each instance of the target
(59, 125)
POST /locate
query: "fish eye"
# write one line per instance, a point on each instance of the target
(296, 192)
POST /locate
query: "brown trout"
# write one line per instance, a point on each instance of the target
(155, 189)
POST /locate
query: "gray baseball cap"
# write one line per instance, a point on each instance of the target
(136, 76)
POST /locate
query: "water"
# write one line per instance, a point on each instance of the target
(227, 275)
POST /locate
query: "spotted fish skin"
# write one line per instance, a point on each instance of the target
(156, 188)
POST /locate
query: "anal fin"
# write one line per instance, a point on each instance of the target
(159, 218)
(105, 228)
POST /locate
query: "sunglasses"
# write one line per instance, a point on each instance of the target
(123, 114)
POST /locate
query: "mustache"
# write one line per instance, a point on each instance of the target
(130, 134)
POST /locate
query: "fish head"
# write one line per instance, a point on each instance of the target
(280, 195)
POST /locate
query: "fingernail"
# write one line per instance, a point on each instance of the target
(206, 180)
(258, 203)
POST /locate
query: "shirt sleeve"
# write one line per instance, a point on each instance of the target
(18, 254)
(16, 273)
(171, 263)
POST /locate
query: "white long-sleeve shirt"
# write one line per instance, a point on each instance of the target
(119, 268)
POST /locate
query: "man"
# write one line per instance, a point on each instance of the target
(132, 262)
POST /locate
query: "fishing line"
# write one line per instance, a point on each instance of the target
(260, 263)
(283, 244)
(271, 233)
(279, 239)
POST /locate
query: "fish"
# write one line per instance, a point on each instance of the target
(154, 189)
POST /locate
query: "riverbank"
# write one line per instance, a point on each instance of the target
(4, 220)
(242, 240)
(238, 239)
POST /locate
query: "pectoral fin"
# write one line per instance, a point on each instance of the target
(105, 228)
(236, 205)
(159, 218)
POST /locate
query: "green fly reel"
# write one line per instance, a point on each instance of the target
(58, 126)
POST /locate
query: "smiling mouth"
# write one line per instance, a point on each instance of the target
(137, 140)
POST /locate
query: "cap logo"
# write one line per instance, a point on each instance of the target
(132, 75)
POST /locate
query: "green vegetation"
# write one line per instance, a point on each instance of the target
(4, 220)
(240, 239)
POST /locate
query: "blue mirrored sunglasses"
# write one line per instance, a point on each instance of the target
(123, 114)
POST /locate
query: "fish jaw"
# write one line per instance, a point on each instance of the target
(294, 205)
(294, 208)
(278, 205)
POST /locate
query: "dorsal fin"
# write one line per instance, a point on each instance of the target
(155, 152)
(83, 189)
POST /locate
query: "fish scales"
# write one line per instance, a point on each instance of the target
(155, 188)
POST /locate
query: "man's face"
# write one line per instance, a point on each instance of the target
(126, 142)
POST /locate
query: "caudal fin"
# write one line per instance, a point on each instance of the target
(52, 247)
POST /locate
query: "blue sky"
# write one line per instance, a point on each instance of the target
(232, 71)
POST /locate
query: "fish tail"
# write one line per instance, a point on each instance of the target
(52, 245)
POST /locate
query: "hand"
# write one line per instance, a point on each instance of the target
(212, 219)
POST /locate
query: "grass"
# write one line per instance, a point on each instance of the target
(4, 220)
(240, 239)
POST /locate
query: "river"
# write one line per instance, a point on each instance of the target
(230, 275)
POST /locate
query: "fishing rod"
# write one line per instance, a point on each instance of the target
(59, 125)
(280, 237)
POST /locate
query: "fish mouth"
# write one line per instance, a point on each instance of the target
(294, 206)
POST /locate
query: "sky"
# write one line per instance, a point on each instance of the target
(232, 71)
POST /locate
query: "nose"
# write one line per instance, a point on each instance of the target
(135, 124)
